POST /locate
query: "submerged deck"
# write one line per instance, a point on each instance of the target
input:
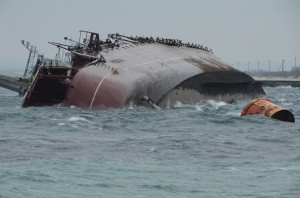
(11, 83)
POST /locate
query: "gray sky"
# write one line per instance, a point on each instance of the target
(236, 30)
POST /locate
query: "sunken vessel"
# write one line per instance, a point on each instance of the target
(122, 71)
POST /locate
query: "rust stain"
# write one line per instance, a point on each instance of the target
(214, 66)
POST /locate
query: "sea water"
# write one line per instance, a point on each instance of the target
(204, 150)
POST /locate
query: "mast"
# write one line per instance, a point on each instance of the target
(31, 58)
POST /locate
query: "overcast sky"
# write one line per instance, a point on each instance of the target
(236, 30)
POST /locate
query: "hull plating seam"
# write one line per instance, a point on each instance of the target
(96, 91)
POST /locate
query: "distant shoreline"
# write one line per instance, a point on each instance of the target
(276, 78)
(273, 81)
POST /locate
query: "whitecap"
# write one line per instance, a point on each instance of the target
(232, 169)
(61, 124)
(216, 104)
(287, 104)
(153, 149)
(74, 119)
(281, 99)
(74, 126)
(130, 107)
(199, 108)
(178, 104)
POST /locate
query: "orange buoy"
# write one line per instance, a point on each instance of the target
(265, 107)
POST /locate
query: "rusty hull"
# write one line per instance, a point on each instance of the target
(48, 87)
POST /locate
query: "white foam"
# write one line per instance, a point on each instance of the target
(130, 107)
(74, 119)
(281, 99)
(287, 104)
(178, 104)
(216, 104)
(153, 149)
(198, 108)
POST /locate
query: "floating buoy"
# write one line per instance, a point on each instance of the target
(265, 107)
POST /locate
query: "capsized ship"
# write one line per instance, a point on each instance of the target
(123, 70)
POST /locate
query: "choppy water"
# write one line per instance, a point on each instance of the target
(206, 150)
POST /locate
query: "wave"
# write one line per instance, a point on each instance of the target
(75, 119)
(216, 104)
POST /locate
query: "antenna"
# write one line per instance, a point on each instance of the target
(57, 56)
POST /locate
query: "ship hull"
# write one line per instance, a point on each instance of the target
(165, 74)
